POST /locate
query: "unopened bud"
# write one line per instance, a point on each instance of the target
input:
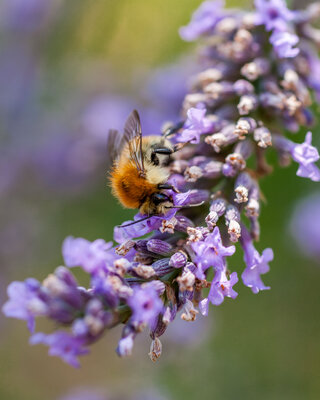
(155, 349)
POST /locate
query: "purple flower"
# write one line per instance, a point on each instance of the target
(256, 265)
(91, 256)
(125, 346)
(203, 20)
(122, 234)
(62, 345)
(221, 287)
(313, 76)
(210, 252)
(145, 304)
(27, 16)
(274, 14)
(306, 155)
(195, 125)
(25, 302)
(283, 43)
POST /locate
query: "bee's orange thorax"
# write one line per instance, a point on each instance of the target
(129, 187)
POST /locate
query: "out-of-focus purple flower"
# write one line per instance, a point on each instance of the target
(306, 155)
(145, 304)
(305, 225)
(167, 86)
(283, 44)
(91, 256)
(313, 73)
(25, 302)
(256, 265)
(195, 125)
(274, 14)
(62, 344)
(85, 393)
(27, 15)
(104, 113)
(210, 252)
(203, 20)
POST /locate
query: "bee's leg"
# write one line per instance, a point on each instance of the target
(163, 150)
(180, 146)
(168, 186)
(173, 129)
(159, 198)
(167, 151)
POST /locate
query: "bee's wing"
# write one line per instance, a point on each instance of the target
(113, 145)
(133, 136)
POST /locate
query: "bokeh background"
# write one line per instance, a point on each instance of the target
(69, 71)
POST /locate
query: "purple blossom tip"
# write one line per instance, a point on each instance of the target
(306, 155)
(203, 20)
(195, 125)
(25, 302)
(221, 287)
(63, 345)
(91, 256)
(256, 266)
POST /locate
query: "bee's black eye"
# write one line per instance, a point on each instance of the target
(154, 159)
(159, 198)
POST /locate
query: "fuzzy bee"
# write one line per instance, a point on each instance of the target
(139, 174)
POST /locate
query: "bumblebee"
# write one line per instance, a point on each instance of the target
(139, 174)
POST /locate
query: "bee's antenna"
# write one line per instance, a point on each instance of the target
(188, 205)
(135, 222)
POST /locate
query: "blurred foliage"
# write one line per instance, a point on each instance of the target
(262, 346)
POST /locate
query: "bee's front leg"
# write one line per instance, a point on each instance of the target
(168, 186)
(173, 129)
(167, 151)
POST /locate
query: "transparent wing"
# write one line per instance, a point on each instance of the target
(113, 145)
(133, 136)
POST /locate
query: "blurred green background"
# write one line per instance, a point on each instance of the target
(262, 346)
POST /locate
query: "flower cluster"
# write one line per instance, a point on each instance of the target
(256, 86)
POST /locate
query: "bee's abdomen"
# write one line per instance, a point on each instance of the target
(130, 189)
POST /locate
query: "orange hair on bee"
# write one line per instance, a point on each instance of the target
(131, 189)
